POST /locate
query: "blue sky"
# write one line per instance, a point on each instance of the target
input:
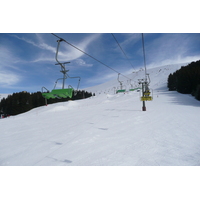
(27, 60)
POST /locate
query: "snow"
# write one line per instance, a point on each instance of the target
(3, 96)
(107, 130)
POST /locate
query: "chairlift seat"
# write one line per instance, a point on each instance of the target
(118, 91)
(63, 93)
(134, 89)
(48, 95)
(59, 93)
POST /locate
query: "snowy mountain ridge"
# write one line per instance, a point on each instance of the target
(156, 82)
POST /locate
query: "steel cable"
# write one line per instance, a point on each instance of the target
(89, 55)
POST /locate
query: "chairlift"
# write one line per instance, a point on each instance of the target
(121, 87)
(133, 88)
(114, 88)
(136, 88)
(63, 92)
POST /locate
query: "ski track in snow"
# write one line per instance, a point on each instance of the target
(108, 129)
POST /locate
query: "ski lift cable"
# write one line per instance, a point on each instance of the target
(144, 56)
(122, 50)
(89, 55)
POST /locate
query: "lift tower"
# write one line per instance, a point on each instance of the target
(145, 83)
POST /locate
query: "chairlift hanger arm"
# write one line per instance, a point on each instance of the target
(45, 89)
(148, 78)
(57, 51)
(59, 63)
(75, 77)
(118, 79)
(57, 82)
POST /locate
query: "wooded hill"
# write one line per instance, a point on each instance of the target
(24, 101)
(186, 80)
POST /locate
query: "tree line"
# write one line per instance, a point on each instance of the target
(21, 102)
(186, 80)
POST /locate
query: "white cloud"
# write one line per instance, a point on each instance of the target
(176, 60)
(8, 59)
(102, 78)
(8, 62)
(6, 56)
(131, 39)
(169, 49)
(44, 58)
(81, 62)
(70, 53)
(40, 45)
(8, 78)
(83, 45)
(66, 51)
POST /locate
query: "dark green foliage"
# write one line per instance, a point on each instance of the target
(197, 93)
(186, 80)
(23, 101)
(171, 82)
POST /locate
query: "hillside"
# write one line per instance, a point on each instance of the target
(108, 129)
(158, 76)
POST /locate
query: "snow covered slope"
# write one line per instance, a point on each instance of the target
(108, 129)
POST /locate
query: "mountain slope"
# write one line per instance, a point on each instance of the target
(108, 129)
(158, 76)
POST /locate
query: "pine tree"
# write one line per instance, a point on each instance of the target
(197, 92)
(186, 79)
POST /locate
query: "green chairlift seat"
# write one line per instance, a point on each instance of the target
(134, 89)
(58, 93)
(119, 91)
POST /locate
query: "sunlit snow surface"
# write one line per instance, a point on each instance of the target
(108, 129)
